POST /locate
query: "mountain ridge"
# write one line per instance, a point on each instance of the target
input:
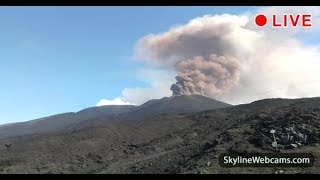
(155, 107)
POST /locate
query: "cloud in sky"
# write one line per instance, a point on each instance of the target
(158, 80)
(116, 101)
(229, 58)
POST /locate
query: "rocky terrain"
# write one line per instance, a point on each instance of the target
(182, 134)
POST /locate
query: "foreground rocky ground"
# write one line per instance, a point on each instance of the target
(185, 143)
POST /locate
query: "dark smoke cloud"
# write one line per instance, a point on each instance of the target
(204, 53)
(206, 76)
(229, 58)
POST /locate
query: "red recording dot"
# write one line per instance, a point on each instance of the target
(261, 20)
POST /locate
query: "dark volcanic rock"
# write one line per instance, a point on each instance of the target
(171, 142)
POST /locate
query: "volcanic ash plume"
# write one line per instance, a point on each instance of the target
(228, 58)
(206, 76)
(205, 53)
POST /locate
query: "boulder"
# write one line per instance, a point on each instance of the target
(294, 145)
(208, 163)
(7, 145)
(300, 137)
(285, 139)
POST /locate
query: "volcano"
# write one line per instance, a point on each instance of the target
(178, 134)
(87, 117)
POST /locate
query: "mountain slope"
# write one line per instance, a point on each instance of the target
(184, 104)
(92, 116)
(60, 122)
(170, 144)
